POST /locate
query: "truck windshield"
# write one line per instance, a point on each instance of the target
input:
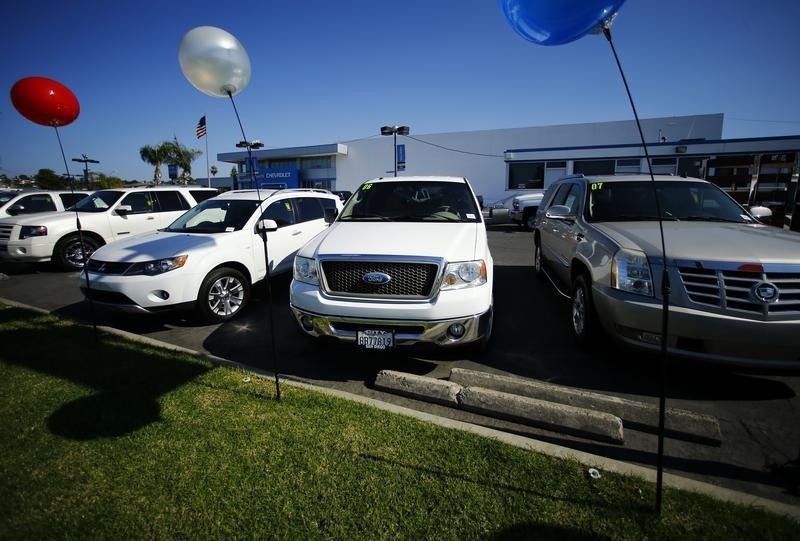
(628, 201)
(411, 201)
(98, 201)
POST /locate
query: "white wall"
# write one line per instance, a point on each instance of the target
(374, 157)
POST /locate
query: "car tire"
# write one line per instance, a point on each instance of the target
(582, 314)
(538, 270)
(223, 294)
(68, 255)
(529, 219)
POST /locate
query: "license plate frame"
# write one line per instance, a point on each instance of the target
(375, 339)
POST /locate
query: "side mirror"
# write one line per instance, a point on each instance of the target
(264, 226)
(331, 214)
(124, 209)
(762, 214)
(15, 209)
(560, 212)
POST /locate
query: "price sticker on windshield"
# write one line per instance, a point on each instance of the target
(366, 187)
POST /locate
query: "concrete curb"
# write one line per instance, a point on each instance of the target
(550, 415)
(429, 389)
(531, 411)
(679, 424)
(557, 451)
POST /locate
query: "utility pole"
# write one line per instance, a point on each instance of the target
(85, 160)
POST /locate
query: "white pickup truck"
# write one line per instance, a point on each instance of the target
(406, 262)
(524, 207)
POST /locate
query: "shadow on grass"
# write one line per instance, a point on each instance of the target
(539, 530)
(127, 379)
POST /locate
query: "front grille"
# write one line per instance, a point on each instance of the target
(108, 267)
(409, 280)
(732, 290)
(5, 232)
(107, 297)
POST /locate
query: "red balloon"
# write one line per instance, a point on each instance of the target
(45, 101)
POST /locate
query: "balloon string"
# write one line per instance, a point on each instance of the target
(268, 285)
(665, 290)
(80, 240)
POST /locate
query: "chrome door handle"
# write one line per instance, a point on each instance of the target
(295, 233)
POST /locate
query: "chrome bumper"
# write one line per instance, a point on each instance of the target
(406, 332)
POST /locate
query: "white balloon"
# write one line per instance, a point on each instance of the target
(214, 61)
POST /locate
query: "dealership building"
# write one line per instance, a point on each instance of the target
(502, 162)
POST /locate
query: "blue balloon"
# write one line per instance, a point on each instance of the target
(554, 22)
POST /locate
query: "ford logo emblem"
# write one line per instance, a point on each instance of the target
(764, 292)
(376, 278)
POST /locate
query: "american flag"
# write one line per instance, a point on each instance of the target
(201, 127)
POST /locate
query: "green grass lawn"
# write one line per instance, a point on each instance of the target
(118, 440)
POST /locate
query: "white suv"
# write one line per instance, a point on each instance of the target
(18, 202)
(406, 262)
(105, 215)
(210, 257)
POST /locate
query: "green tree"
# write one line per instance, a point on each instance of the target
(156, 155)
(106, 181)
(47, 179)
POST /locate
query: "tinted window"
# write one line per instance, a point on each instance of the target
(170, 201)
(280, 211)
(5, 197)
(37, 203)
(561, 194)
(69, 199)
(411, 201)
(309, 208)
(139, 202)
(215, 216)
(328, 203)
(202, 195)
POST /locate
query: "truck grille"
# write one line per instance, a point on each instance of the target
(408, 280)
(5, 231)
(733, 290)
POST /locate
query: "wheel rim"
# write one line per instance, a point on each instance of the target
(226, 296)
(579, 311)
(74, 255)
(537, 258)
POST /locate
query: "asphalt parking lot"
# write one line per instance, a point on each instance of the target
(757, 414)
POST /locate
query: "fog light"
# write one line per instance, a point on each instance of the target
(161, 294)
(307, 323)
(456, 330)
(650, 338)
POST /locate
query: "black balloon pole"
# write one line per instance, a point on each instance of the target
(80, 239)
(268, 285)
(665, 290)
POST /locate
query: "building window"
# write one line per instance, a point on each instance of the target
(320, 162)
(594, 167)
(525, 175)
(628, 166)
(291, 162)
(556, 165)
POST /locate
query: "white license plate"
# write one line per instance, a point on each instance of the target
(372, 339)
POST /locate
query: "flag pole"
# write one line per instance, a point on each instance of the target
(208, 169)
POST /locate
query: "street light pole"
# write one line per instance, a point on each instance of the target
(249, 145)
(394, 130)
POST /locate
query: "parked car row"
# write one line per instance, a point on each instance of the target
(405, 261)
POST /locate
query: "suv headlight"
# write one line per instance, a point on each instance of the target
(630, 271)
(515, 205)
(305, 270)
(157, 266)
(464, 274)
(27, 231)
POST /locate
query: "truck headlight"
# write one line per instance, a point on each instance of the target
(630, 271)
(157, 266)
(27, 231)
(464, 274)
(305, 270)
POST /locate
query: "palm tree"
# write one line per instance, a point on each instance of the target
(214, 170)
(182, 157)
(156, 156)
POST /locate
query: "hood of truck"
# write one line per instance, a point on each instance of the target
(451, 241)
(707, 241)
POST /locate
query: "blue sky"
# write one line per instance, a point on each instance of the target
(326, 71)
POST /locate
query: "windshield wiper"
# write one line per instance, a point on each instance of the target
(709, 219)
(364, 218)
